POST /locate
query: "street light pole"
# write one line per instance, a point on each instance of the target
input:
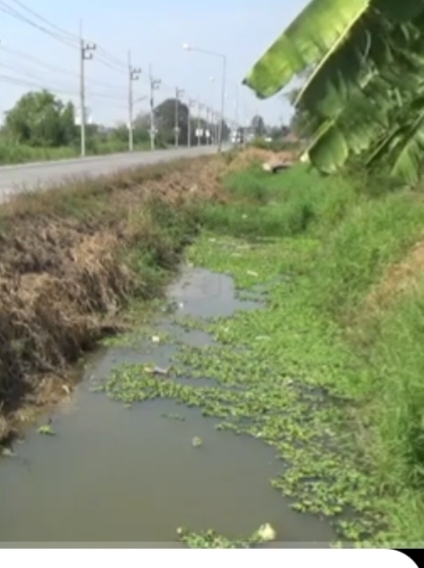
(133, 75)
(178, 93)
(224, 73)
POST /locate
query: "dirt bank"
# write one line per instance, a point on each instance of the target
(70, 258)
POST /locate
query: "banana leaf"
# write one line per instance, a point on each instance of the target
(320, 30)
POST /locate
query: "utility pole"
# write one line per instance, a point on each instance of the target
(221, 122)
(190, 104)
(178, 93)
(199, 107)
(237, 107)
(154, 85)
(86, 50)
(208, 111)
(133, 75)
(216, 116)
(210, 126)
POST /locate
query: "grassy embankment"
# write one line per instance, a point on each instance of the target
(331, 370)
(13, 153)
(331, 367)
(71, 259)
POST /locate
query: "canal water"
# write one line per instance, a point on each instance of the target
(118, 476)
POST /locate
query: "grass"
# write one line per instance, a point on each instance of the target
(344, 239)
(336, 391)
(325, 373)
(73, 257)
(275, 145)
(14, 153)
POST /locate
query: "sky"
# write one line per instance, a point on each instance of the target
(154, 32)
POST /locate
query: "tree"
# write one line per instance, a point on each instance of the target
(258, 126)
(165, 120)
(120, 133)
(142, 121)
(41, 119)
(278, 132)
(365, 96)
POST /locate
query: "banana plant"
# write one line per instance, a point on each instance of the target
(319, 32)
(360, 52)
(403, 145)
(366, 116)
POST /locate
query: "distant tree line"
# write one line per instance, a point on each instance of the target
(261, 130)
(40, 119)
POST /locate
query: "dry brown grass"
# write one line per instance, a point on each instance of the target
(398, 280)
(250, 155)
(62, 281)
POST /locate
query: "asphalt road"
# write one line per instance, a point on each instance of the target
(23, 177)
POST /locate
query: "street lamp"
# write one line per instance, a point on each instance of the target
(188, 47)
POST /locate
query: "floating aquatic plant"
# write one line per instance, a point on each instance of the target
(46, 430)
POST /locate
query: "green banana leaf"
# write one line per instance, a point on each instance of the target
(375, 46)
(318, 30)
(353, 131)
(354, 48)
(403, 145)
(367, 114)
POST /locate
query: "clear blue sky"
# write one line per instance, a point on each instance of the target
(154, 31)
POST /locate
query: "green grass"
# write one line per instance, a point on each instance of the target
(275, 145)
(14, 153)
(340, 401)
(339, 238)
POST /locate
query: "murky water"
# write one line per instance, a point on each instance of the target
(118, 475)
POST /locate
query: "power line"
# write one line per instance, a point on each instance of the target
(67, 72)
(105, 57)
(66, 38)
(22, 70)
(71, 40)
(57, 89)
(112, 58)
(24, 55)
(26, 72)
(5, 8)
(72, 37)
(32, 84)
(106, 63)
